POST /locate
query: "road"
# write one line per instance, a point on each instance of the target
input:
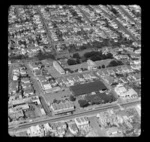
(68, 117)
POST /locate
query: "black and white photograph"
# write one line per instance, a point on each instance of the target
(74, 70)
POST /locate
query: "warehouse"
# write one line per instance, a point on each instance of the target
(86, 88)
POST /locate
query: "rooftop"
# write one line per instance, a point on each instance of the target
(86, 88)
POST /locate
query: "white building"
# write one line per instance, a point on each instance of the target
(91, 64)
(35, 131)
(58, 67)
(123, 92)
(46, 86)
(81, 121)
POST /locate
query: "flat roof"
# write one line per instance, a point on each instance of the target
(80, 89)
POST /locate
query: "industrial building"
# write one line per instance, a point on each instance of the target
(80, 89)
(62, 107)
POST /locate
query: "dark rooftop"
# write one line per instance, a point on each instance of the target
(86, 88)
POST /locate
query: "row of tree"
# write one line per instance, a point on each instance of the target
(93, 55)
(115, 63)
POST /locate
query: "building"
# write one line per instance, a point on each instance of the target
(46, 86)
(47, 127)
(28, 92)
(33, 66)
(58, 67)
(62, 107)
(23, 107)
(41, 79)
(80, 89)
(16, 102)
(124, 93)
(15, 77)
(13, 87)
(15, 114)
(42, 111)
(81, 121)
(73, 127)
(91, 64)
(35, 131)
(25, 80)
(114, 132)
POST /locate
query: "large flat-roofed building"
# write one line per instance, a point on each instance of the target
(80, 89)
(58, 67)
(62, 107)
(125, 93)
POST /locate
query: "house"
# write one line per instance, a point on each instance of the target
(37, 72)
(114, 131)
(23, 107)
(73, 127)
(13, 87)
(17, 102)
(135, 67)
(91, 64)
(15, 77)
(28, 92)
(81, 121)
(16, 71)
(42, 111)
(23, 72)
(47, 127)
(26, 86)
(16, 114)
(25, 80)
(41, 79)
(46, 85)
(33, 66)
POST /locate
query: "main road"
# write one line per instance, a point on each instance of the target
(68, 117)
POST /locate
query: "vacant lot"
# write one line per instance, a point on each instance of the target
(94, 124)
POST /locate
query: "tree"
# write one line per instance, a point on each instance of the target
(72, 98)
(99, 67)
(114, 63)
(103, 66)
(83, 103)
(76, 55)
(71, 62)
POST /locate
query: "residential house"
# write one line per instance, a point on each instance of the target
(73, 127)
(25, 80)
(81, 121)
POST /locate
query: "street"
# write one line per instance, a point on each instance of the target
(62, 118)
